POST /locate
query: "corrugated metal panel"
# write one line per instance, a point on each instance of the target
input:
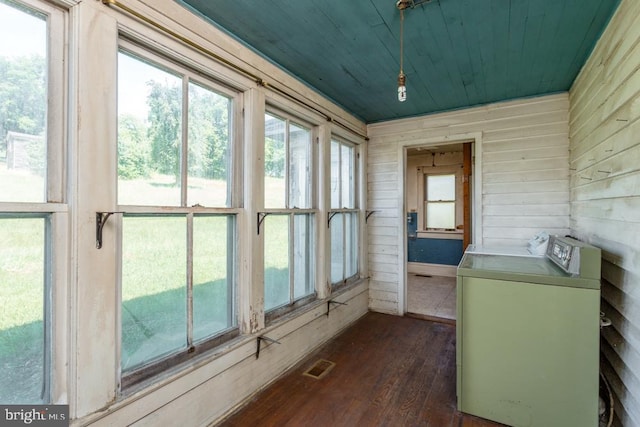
(605, 193)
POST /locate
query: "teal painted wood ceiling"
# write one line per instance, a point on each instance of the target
(457, 53)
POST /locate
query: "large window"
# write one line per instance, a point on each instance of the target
(440, 202)
(175, 133)
(31, 196)
(344, 212)
(288, 221)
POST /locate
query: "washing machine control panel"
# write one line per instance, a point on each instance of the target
(561, 252)
(573, 256)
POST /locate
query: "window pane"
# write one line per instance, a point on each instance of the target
(351, 244)
(303, 257)
(441, 215)
(22, 326)
(276, 261)
(299, 167)
(342, 176)
(337, 248)
(213, 275)
(149, 133)
(209, 142)
(23, 105)
(335, 175)
(154, 300)
(441, 187)
(346, 172)
(344, 247)
(274, 162)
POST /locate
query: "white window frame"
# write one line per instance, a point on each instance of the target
(54, 209)
(200, 75)
(340, 211)
(423, 172)
(312, 212)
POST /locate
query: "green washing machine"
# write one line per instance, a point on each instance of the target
(528, 335)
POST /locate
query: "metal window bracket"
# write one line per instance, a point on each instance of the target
(367, 215)
(101, 220)
(261, 217)
(333, 302)
(331, 215)
(267, 339)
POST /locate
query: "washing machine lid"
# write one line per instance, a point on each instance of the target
(502, 250)
(539, 270)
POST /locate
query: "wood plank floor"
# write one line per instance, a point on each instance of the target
(389, 371)
(432, 296)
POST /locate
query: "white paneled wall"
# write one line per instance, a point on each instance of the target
(605, 193)
(521, 173)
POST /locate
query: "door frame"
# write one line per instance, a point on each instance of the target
(475, 199)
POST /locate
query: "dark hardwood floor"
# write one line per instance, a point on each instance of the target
(389, 371)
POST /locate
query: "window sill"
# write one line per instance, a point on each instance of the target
(441, 234)
(293, 307)
(228, 354)
(338, 288)
(148, 374)
(298, 311)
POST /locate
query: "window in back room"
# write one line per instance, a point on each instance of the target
(440, 202)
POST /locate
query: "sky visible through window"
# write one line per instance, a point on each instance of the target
(133, 89)
(17, 25)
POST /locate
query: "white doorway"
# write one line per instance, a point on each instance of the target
(438, 226)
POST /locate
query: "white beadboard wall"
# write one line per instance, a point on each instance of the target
(605, 193)
(523, 150)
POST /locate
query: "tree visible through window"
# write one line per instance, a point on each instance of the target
(174, 185)
(288, 229)
(30, 193)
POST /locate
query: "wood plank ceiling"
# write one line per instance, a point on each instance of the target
(458, 53)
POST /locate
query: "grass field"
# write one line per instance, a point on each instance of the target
(154, 273)
(154, 301)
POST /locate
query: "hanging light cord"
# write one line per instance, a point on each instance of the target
(401, 38)
(402, 79)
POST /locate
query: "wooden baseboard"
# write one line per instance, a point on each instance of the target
(431, 269)
(432, 318)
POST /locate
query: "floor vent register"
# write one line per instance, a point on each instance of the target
(319, 369)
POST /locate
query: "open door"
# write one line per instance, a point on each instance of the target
(438, 204)
(466, 194)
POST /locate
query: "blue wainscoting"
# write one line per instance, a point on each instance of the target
(431, 251)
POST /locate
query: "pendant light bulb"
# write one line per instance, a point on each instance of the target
(402, 88)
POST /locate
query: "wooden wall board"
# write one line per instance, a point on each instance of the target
(519, 197)
(605, 193)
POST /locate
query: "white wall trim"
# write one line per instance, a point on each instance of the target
(431, 269)
(476, 191)
(476, 211)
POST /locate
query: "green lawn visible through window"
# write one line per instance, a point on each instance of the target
(154, 284)
(22, 261)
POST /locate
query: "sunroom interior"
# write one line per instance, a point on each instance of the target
(194, 196)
